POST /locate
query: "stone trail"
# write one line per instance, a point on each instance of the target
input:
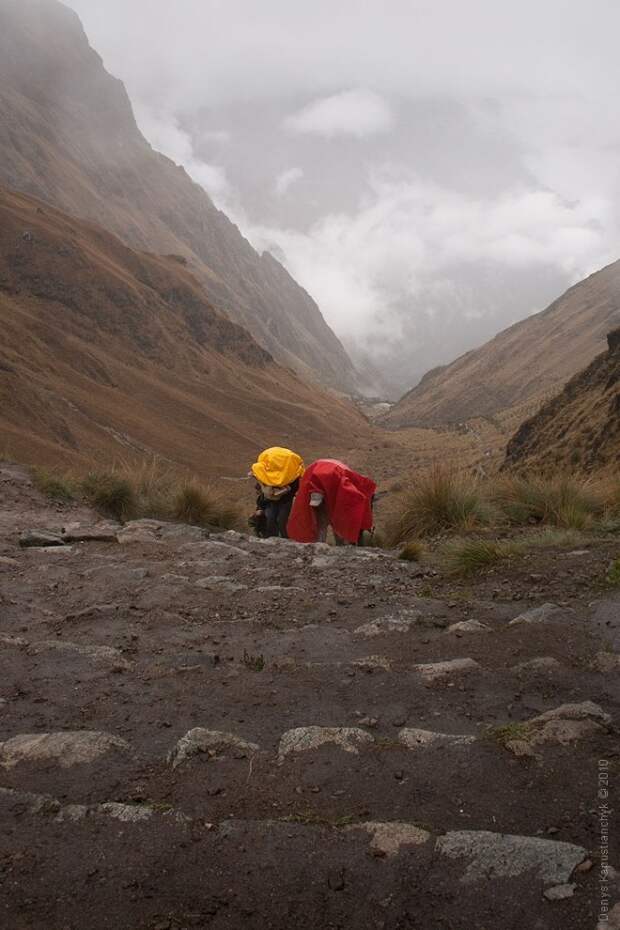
(301, 709)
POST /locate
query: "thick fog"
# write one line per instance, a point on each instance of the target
(430, 170)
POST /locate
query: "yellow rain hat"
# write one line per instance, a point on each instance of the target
(277, 467)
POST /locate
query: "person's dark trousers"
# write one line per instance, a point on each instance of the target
(276, 516)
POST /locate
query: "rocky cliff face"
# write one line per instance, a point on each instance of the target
(579, 430)
(524, 364)
(107, 352)
(68, 135)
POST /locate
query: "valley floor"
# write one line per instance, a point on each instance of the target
(252, 733)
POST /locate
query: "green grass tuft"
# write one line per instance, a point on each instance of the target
(57, 486)
(439, 502)
(507, 732)
(111, 494)
(468, 556)
(613, 574)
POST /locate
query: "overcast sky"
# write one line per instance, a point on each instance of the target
(430, 170)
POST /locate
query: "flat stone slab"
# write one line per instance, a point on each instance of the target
(606, 662)
(499, 855)
(302, 739)
(435, 671)
(400, 622)
(469, 626)
(546, 613)
(388, 838)
(67, 748)
(221, 583)
(37, 538)
(126, 813)
(200, 740)
(539, 664)
(99, 532)
(419, 739)
(562, 725)
(104, 654)
(371, 663)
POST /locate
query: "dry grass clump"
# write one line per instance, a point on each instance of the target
(440, 501)
(201, 505)
(111, 494)
(412, 551)
(57, 486)
(469, 556)
(564, 501)
(146, 489)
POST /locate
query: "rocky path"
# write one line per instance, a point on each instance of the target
(217, 731)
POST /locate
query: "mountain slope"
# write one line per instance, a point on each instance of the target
(68, 135)
(109, 352)
(524, 363)
(579, 430)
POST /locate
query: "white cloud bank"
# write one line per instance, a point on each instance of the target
(357, 113)
(164, 133)
(286, 179)
(408, 237)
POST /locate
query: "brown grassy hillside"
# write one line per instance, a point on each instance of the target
(579, 430)
(68, 135)
(523, 365)
(107, 352)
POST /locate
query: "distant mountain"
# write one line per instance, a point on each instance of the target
(68, 135)
(107, 353)
(524, 364)
(579, 430)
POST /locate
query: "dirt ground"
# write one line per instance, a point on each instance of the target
(257, 734)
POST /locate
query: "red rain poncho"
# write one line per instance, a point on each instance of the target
(347, 499)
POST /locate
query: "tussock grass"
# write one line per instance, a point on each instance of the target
(440, 501)
(57, 486)
(564, 501)
(146, 489)
(111, 494)
(553, 538)
(468, 556)
(412, 551)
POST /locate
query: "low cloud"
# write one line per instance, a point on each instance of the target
(165, 134)
(410, 245)
(286, 179)
(352, 112)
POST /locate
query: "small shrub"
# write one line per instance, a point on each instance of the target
(507, 732)
(411, 552)
(254, 663)
(613, 575)
(56, 486)
(468, 556)
(111, 494)
(440, 501)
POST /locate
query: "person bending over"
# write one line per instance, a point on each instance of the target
(332, 494)
(277, 472)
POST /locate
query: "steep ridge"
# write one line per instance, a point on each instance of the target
(106, 351)
(68, 135)
(579, 430)
(527, 362)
